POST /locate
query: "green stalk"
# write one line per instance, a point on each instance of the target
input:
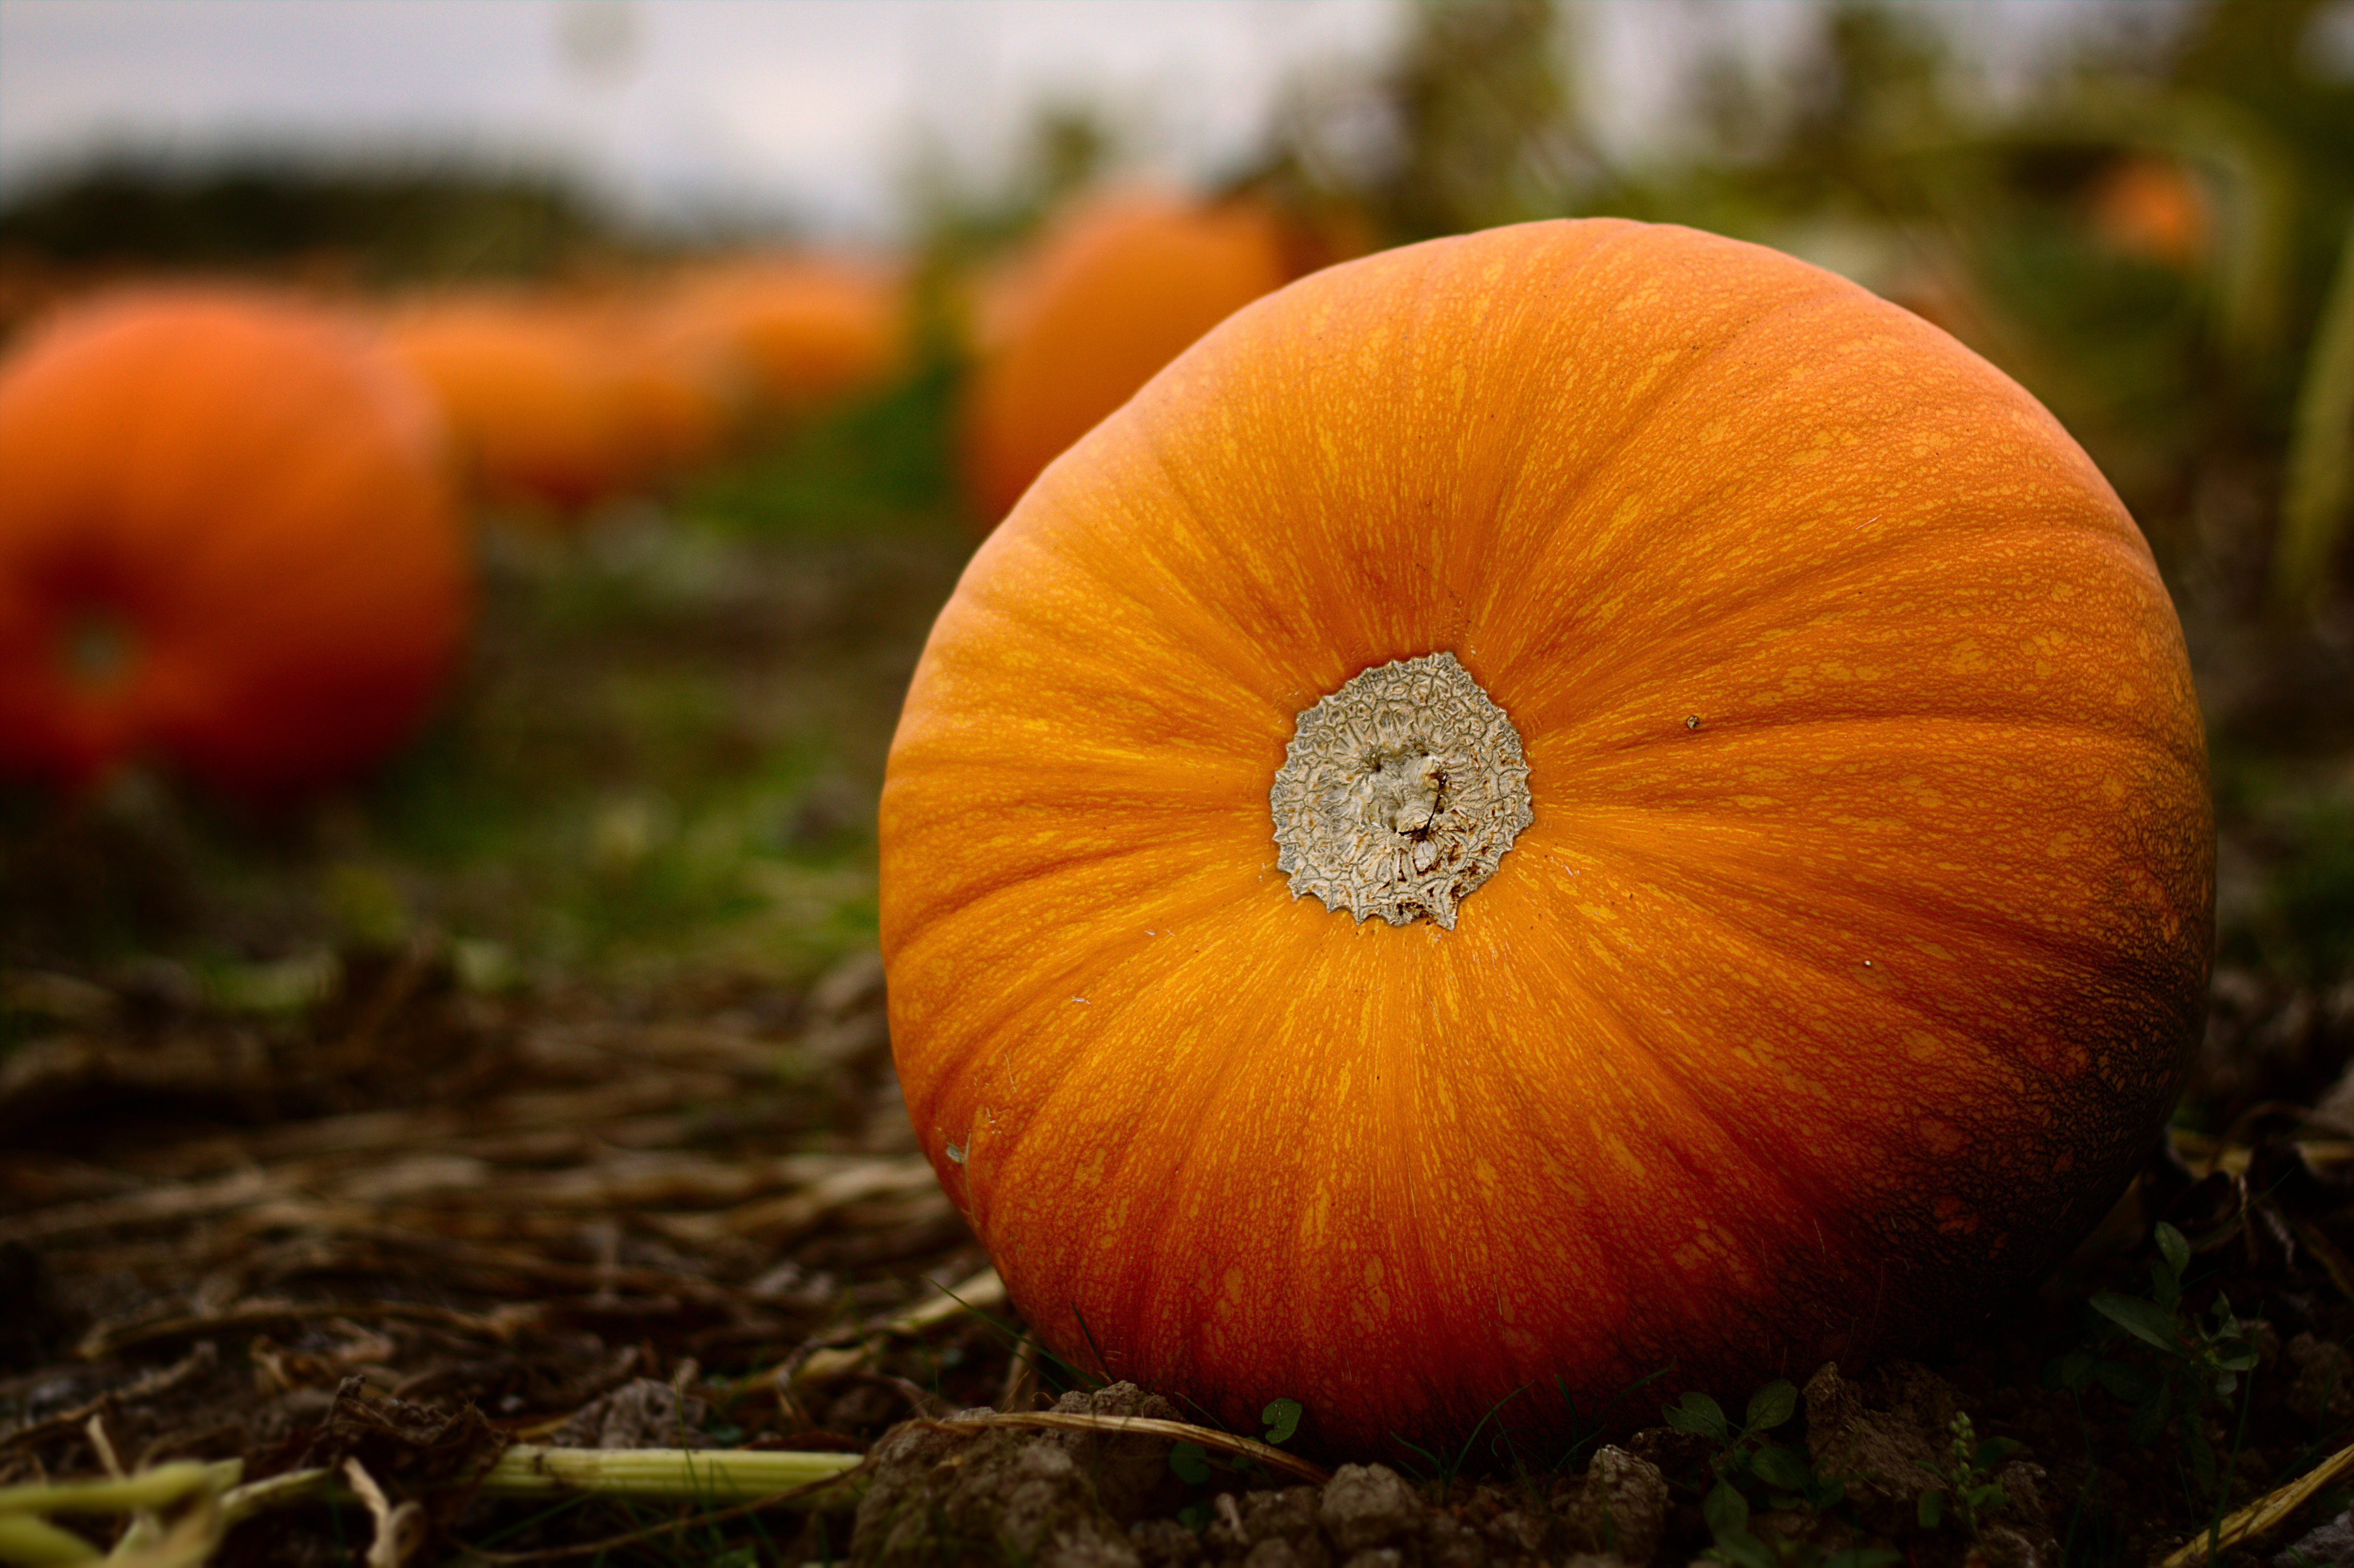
(669, 1474)
(158, 1487)
(2320, 490)
(30, 1542)
(701, 1474)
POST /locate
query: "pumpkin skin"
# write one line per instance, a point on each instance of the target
(1854, 952)
(1114, 292)
(249, 492)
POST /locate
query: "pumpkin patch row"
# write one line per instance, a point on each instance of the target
(315, 460)
(232, 519)
(559, 400)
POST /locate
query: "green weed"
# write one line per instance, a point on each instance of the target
(1195, 1465)
(1968, 1490)
(2200, 1359)
(1747, 1460)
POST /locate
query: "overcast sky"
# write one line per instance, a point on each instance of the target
(808, 107)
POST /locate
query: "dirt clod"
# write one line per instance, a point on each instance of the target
(1622, 1509)
(949, 1495)
(1130, 1471)
(2332, 1542)
(1367, 1506)
(1888, 1456)
(640, 1414)
(2324, 1384)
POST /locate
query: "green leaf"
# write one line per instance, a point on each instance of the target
(1989, 1496)
(1772, 1405)
(1993, 1452)
(1862, 1557)
(2174, 1249)
(1746, 1550)
(1932, 1508)
(2236, 1358)
(1725, 1511)
(2072, 1371)
(1781, 1468)
(1701, 1415)
(2145, 1320)
(1191, 1461)
(1282, 1419)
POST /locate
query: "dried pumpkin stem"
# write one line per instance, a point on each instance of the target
(1400, 792)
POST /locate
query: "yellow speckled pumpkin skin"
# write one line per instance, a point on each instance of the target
(1854, 952)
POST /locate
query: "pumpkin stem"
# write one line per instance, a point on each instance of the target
(1400, 792)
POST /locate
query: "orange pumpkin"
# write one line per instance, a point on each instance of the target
(538, 396)
(227, 539)
(685, 394)
(1812, 712)
(1113, 293)
(805, 330)
(2150, 206)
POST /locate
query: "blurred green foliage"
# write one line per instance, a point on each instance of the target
(1069, 145)
(388, 224)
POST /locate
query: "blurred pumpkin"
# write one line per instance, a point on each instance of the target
(805, 330)
(685, 394)
(2150, 206)
(227, 540)
(1111, 293)
(536, 396)
(1541, 807)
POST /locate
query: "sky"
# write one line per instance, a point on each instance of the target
(809, 109)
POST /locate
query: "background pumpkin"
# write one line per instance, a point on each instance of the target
(538, 395)
(1855, 949)
(226, 539)
(1114, 290)
(805, 331)
(2150, 205)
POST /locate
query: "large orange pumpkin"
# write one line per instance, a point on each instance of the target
(227, 538)
(1815, 706)
(1115, 290)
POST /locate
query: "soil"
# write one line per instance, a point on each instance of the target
(350, 1137)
